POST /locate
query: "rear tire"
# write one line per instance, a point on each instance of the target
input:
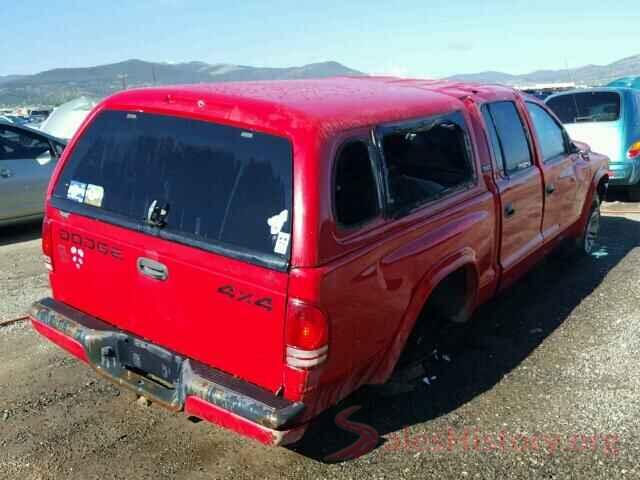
(433, 332)
(634, 193)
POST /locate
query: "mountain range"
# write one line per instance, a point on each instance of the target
(56, 86)
(53, 87)
(590, 75)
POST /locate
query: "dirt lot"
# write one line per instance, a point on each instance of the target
(549, 387)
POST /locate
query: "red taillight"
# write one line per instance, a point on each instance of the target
(47, 244)
(634, 151)
(307, 335)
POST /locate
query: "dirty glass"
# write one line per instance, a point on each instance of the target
(209, 182)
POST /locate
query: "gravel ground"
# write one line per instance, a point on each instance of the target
(22, 273)
(546, 387)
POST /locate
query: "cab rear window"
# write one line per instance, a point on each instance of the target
(192, 181)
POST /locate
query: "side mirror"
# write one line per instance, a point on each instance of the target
(573, 148)
(583, 152)
(44, 158)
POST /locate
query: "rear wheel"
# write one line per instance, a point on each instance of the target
(634, 193)
(432, 333)
(443, 324)
(432, 337)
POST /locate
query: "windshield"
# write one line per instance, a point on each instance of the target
(215, 184)
(586, 107)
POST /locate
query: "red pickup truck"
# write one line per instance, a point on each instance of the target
(252, 253)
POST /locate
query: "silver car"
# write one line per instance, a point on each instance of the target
(27, 159)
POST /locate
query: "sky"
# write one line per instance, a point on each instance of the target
(408, 38)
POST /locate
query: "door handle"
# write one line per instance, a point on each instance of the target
(509, 210)
(550, 188)
(151, 268)
(5, 173)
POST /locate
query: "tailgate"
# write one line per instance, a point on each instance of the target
(217, 310)
(177, 231)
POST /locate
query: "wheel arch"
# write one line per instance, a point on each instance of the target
(602, 184)
(597, 189)
(464, 260)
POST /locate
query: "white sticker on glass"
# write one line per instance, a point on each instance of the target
(282, 243)
(277, 222)
(76, 191)
(94, 195)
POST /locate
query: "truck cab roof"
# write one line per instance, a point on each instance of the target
(332, 104)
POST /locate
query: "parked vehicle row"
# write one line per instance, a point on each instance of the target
(631, 82)
(27, 159)
(8, 118)
(66, 118)
(252, 253)
(32, 119)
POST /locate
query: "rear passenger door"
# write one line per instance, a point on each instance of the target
(558, 169)
(519, 183)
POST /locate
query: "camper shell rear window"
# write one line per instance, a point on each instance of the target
(212, 186)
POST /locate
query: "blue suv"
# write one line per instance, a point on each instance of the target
(607, 118)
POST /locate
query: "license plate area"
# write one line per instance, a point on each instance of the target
(149, 361)
(148, 369)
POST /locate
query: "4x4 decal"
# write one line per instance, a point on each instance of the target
(245, 297)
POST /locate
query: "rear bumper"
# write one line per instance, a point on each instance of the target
(625, 173)
(176, 382)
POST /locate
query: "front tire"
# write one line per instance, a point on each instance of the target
(585, 244)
